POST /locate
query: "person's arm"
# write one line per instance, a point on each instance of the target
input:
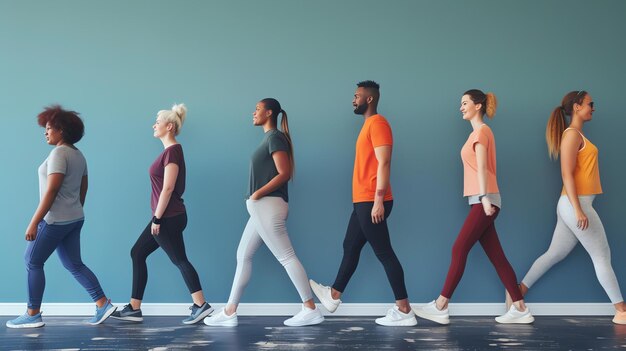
(169, 182)
(481, 164)
(570, 145)
(283, 166)
(55, 180)
(83, 190)
(383, 172)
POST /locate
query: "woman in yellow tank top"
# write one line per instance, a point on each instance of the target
(577, 221)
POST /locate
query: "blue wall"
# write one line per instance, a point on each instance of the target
(119, 62)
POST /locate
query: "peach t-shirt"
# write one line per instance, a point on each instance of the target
(374, 133)
(484, 136)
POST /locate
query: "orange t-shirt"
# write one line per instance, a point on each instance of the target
(374, 133)
(587, 172)
(484, 136)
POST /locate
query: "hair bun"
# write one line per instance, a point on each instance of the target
(492, 104)
(181, 111)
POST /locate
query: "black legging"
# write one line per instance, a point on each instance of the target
(170, 239)
(360, 231)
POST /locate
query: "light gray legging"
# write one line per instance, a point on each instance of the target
(567, 235)
(267, 224)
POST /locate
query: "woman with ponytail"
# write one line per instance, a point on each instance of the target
(169, 219)
(577, 220)
(481, 188)
(271, 167)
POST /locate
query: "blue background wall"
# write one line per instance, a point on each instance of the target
(119, 62)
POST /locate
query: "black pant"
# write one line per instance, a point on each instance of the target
(170, 239)
(360, 231)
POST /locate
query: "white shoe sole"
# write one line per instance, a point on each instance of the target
(200, 317)
(228, 323)
(619, 321)
(318, 290)
(314, 321)
(107, 314)
(129, 319)
(409, 322)
(521, 320)
(25, 325)
(437, 319)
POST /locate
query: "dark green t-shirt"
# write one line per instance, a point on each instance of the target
(262, 166)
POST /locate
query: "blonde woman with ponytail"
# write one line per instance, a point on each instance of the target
(169, 219)
(481, 188)
(271, 168)
(577, 220)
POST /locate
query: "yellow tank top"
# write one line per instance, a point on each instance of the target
(586, 173)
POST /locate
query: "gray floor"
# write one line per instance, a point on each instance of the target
(268, 333)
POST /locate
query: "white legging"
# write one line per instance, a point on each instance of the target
(267, 224)
(567, 235)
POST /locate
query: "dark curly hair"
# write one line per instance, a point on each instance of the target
(68, 122)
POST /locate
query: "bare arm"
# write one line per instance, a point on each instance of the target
(283, 166)
(383, 173)
(55, 180)
(169, 182)
(570, 145)
(481, 163)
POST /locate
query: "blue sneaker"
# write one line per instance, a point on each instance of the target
(128, 314)
(26, 321)
(102, 313)
(198, 313)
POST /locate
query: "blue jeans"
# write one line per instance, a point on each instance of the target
(65, 239)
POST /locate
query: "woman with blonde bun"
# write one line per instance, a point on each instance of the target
(481, 188)
(577, 220)
(165, 230)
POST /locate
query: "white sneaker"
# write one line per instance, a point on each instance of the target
(323, 294)
(432, 313)
(222, 320)
(397, 318)
(306, 316)
(513, 316)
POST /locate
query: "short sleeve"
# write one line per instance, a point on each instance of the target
(57, 162)
(380, 134)
(482, 137)
(85, 172)
(173, 155)
(277, 142)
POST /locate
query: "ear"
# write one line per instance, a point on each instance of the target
(369, 99)
(170, 126)
(478, 107)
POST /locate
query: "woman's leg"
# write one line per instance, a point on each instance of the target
(144, 246)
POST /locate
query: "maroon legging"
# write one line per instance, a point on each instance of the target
(480, 227)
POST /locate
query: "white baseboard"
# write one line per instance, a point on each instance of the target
(346, 309)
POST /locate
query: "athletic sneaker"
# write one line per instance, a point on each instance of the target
(128, 314)
(198, 313)
(432, 313)
(26, 321)
(620, 317)
(305, 317)
(102, 313)
(323, 294)
(222, 320)
(397, 318)
(513, 316)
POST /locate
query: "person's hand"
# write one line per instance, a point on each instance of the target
(581, 220)
(378, 212)
(31, 232)
(487, 206)
(255, 196)
(156, 228)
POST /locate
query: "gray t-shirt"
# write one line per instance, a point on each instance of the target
(262, 166)
(70, 162)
